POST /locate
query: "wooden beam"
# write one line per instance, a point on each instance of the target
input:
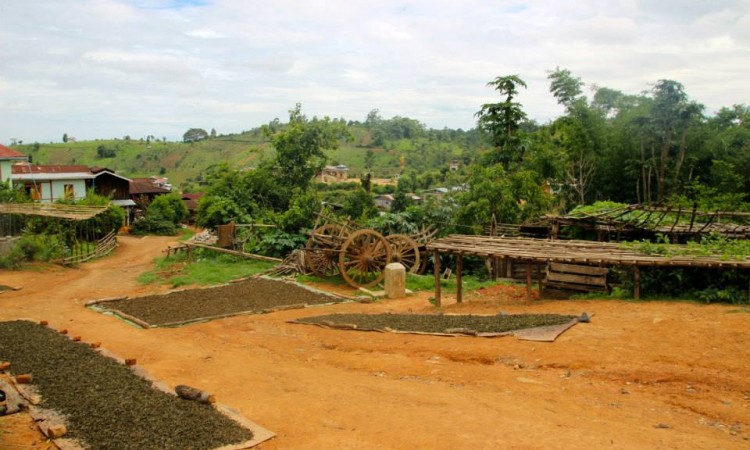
(636, 282)
(459, 267)
(436, 255)
(234, 252)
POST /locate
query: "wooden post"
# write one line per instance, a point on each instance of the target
(459, 267)
(436, 255)
(508, 267)
(636, 282)
(528, 280)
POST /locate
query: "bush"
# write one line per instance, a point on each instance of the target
(169, 207)
(32, 247)
(154, 225)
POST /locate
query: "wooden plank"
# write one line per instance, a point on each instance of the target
(556, 277)
(579, 269)
(574, 287)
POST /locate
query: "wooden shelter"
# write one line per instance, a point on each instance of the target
(80, 239)
(630, 222)
(532, 252)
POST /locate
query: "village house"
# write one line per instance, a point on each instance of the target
(334, 174)
(191, 202)
(143, 191)
(115, 187)
(384, 201)
(8, 157)
(49, 183)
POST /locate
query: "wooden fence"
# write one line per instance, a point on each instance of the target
(101, 248)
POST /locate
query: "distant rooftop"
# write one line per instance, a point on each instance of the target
(8, 153)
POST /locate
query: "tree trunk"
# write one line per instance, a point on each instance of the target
(680, 157)
(661, 175)
(643, 169)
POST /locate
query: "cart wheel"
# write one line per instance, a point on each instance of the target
(321, 254)
(363, 258)
(404, 250)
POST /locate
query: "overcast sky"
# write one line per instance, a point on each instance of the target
(110, 68)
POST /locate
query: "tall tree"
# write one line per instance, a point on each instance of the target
(301, 147)
(195, 135)
(672, 116)
(502, 121)
(565, 87)
(579, 134)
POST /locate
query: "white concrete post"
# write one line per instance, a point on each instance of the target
(395, 280)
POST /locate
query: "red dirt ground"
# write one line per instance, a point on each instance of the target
(641, 375)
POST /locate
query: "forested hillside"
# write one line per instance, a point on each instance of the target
(627, 147)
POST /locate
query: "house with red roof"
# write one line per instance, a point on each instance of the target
(48, 183)
(8, 157)
(191, 201)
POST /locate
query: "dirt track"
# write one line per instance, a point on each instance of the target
(641, 375)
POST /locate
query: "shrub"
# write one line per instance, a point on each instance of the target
(154, 225)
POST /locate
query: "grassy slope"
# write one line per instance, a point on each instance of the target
(182, 162)
(135, 158)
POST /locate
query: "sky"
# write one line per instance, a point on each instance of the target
(100, 69)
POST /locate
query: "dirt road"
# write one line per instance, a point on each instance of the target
(641, 375)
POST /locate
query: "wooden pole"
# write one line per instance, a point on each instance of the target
(528, 280)
(636, 282)
(190, 245)
(459, 267)
(436, 255)
(508, 267)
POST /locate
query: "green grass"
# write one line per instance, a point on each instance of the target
(204, 271)
(427, 283)
(315, 279)
(136, 158)
(416, 283)
(616, 294)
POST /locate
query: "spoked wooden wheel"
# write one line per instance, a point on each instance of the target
(322, 250)
(363, 258)
(404, 250)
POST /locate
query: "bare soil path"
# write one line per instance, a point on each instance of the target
(641, 375)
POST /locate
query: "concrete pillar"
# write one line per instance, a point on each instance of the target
(395, 280)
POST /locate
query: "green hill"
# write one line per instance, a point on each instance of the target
(390, 150)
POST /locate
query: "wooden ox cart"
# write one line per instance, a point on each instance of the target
(360, 255)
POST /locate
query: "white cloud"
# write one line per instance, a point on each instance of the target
(105, 68)
(204, 33)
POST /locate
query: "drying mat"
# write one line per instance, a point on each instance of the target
(109, 404)
(255, 295)
(546, 333)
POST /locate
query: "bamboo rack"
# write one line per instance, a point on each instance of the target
(542, 251)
